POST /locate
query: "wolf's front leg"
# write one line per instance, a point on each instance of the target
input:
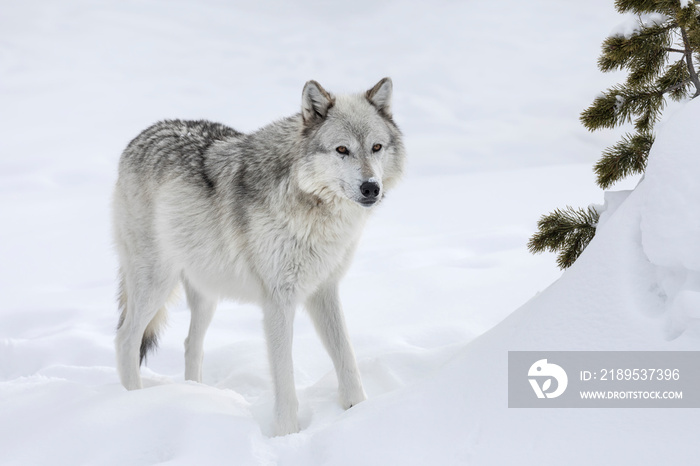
(278, 321)
(325, 310)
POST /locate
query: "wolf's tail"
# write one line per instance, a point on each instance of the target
(149, 341)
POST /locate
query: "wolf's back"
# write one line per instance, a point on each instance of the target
(173, 147)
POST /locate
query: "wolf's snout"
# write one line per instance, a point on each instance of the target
(370, 190)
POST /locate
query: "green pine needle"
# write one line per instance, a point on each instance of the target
(625, 158)
(565, 231)
(647, 6)
(604, 112)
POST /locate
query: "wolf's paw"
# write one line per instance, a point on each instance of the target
(286, 425)
(288, 428)
(352, 397)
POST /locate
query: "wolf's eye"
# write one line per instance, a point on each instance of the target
(376, 148)
(342, 150)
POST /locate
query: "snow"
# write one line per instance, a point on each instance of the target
(673, 194)
(670, 220)
(442, 285)
(633, 23)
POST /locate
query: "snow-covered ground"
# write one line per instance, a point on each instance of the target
(488, 95)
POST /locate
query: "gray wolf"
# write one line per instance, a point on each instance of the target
(271, 217)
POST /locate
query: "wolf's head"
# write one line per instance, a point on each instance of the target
(353, 147)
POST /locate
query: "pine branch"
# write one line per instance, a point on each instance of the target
(566, 231)
(689, 62)
(693, 32)
(603, 112)
(647, 6)
(620, 52)
(687, 16)
(619, 104)
(646, 68)
(676, 81)
(648, 107)
(625, 158)
(676, 86)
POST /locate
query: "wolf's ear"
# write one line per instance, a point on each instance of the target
(315, 102)
(380, 96)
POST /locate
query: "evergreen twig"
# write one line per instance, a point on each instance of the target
(689, 61)
(566, 231)
(625, 158)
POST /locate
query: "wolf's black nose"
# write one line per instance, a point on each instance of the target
(369, 189)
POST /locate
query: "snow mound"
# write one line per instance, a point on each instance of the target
(671, 213)
(670, 218)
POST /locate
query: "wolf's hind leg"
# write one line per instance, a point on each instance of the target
(143, 299)
(327, 315)
(202, 311)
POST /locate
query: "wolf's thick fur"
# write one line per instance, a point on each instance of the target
(271, 217)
